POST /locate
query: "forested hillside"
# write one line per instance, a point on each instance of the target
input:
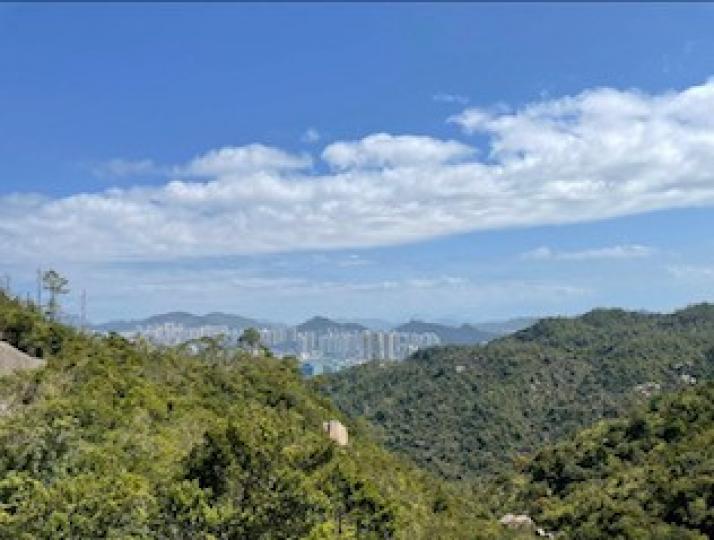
(649, 475)
(111, 439)
(464, 411)
(118, 440)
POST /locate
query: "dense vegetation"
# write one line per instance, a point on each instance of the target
(649, 475)
(118, 440)
(464, 411)
(112, 439)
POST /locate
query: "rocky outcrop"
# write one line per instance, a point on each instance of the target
(648, 389)
(524, 522)
(517, 521)
(336, 431)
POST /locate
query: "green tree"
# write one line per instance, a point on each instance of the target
(56, 285)
(249, 339)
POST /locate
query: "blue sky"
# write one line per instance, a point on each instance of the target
(461, 161)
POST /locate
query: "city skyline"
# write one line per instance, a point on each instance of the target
(333, 347)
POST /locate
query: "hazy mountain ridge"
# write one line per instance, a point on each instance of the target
(462, 335)
(323, 324)
(182, 318)
(369, 323)
(507, 326)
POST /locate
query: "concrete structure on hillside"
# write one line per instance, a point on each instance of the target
(336, 431)
(12, 360)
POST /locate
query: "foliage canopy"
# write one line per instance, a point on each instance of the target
(113, 439)
(463, 411)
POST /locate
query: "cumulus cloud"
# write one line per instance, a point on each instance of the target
(599, 154)
(387, 151)
(630, 251)
(253, 158)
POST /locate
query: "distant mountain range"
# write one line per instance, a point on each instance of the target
(455, 335)
(506, 327)
(183, 318)
(323, 324)
(464, 334)
(370, 323)
(468, 334)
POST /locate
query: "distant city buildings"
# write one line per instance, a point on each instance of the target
(323, 350)
(349, 346)
(171, 333)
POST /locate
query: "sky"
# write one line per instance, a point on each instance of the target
(467, 162)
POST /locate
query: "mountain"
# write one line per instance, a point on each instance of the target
(181, 318)
(323, 324)
(370, 324)
(451, 335)
(463, 411)
(508, 326)
(112, 439)
(649, 474)
(464, 334)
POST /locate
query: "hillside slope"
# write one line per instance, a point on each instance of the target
(119, 440)
(463, 411)
(648, 475)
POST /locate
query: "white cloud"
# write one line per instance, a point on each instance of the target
(253, 158)
(600, 154)
(310, 136)
(628, 251)
(388, 151)
(444, 97)
(124, 167)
